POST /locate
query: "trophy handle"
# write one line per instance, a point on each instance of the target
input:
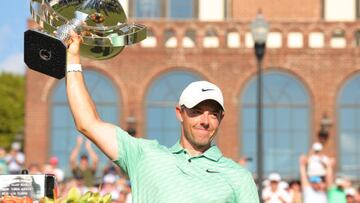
(44, 53)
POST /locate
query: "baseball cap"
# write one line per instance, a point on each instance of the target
(350, 192)
(16, 146)
(317, 146)
(53, 160)
(199, 91)
(274, 177)
(110, 178)
(339, 181)
(315, 179)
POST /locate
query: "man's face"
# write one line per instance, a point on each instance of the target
(350, 199)
(200, 123)
(84, 162)
(274, 185)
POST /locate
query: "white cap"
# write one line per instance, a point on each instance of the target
(283, 185)
(350, 191)
(199, 91)
(16, 146)
(339, 181)
(317, 146)
(274, 177)
(110, 178)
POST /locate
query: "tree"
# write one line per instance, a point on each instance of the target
(12, 91)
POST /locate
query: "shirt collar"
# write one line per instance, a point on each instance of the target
(213, 153)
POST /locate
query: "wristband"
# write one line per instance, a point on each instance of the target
(73, 68)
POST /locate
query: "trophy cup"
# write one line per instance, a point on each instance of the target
(101, 24)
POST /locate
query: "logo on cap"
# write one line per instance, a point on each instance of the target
(205, 90)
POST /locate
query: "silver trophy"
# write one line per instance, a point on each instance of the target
(101, 23)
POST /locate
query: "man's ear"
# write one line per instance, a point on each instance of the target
(222, 116)
(178, 113)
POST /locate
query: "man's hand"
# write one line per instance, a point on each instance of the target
(73, 51)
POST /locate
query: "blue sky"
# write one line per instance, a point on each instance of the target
(13, 15)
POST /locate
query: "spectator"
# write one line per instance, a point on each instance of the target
(109, 186)
(15, 159)
(52, 168)
(350, 195)
(314, 188)
(336, 192)
(3, 164)
(317, 161)
(295, 191)
(34, 169)
(357, 196)
(124, 191)
(273, 193)
(244, 160)
(84, 170)
(111, 168)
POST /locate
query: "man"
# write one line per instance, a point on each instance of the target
(193, 170)
(15, 159)
(273, 193)
(314, 187)
(317, 161)
(350, 195)
(84, 170)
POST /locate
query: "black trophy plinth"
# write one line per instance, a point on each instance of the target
(45, 53)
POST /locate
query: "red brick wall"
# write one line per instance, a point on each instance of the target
(322, 71)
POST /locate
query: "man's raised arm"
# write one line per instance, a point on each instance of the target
(86, 118)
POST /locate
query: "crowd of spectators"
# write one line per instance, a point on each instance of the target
(317, 184)
(86, 176)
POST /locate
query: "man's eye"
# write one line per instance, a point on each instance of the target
(196, 111)
(214, 114)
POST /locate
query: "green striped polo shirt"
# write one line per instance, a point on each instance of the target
(159, 174)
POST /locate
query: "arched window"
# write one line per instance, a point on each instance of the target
(63, 131)
(161, 100)
(349, 128)
(285, 123)
(189, 40)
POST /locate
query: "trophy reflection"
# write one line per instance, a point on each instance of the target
(101, 23)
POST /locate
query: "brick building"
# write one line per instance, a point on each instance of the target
(311, 80)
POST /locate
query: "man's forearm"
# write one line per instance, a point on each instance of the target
(81, 104)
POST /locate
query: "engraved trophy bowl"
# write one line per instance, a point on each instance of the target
(102, 25)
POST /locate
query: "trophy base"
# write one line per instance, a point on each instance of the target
(44, 53)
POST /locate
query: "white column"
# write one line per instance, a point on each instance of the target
(211, 10)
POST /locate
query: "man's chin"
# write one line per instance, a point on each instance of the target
(202, 144)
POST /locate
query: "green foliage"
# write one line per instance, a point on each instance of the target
(12, 91)
(74, 196)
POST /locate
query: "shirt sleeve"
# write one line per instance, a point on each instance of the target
(247, 191)
(130, 151)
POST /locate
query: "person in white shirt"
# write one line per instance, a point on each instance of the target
(15, 159)
(314, 187)
(273, 193)
(317, 161)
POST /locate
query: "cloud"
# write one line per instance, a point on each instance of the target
(13, 64)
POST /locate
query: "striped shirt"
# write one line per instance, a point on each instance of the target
(159, 174)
